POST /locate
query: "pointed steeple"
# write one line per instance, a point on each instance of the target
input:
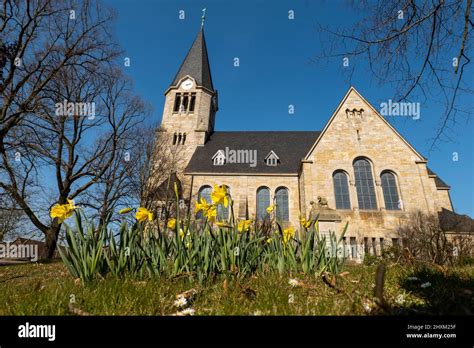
(196, 64)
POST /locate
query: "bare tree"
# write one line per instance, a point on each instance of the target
(156, 162)
(424, 240)
(114, 189)
(61, 66)
(10, 216)
(422, 48)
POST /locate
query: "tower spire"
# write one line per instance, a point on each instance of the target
(203, 17)
(196, 63)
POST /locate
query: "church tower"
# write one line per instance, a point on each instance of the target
(190, 106)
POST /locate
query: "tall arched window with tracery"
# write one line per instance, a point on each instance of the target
(263, 202)
(341, 190)
(204, 192)
(390, 191)
(364, 182)
(282, 204)
(222, 211)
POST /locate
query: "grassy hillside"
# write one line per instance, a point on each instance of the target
(48, 289)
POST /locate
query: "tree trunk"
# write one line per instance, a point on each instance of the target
(51, 241)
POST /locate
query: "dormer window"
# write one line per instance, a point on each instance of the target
(272, 159)
(219, 158)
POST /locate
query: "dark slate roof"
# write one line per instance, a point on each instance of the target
(439, 183)
(290, 147)
(450, 221)
(196, 64)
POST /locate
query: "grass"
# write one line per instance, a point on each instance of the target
(47, 289)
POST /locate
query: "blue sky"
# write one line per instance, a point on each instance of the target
(275, 71)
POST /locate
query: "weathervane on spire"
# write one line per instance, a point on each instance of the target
(203, 18)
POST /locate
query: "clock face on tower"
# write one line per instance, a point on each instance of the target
(187, 84)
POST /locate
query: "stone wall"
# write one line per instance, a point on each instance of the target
(196, 125)
(243, 189)
(352, 135)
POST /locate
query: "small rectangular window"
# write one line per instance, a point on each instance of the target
(395, 243)
(374, 247)
(193, 102)
(177, 102)
(366, 245)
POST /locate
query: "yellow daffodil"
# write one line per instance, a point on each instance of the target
(171, 224)
(270, 209)
(143, 214)
(189, 245)
(219, 195)
(70, 204)
(269, 240)
(288, 233)
(181, 232)
(201, 206)
(211, 213)
(244, 225)
(125, 211)
(62, 211)
(304, 223)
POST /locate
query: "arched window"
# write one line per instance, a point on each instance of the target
(341, 190)
(263, 202)
(192, 102)
(185, 101)
(204, 192)
(390, 192)
(177, 102)
(364, 184)
(223, 212)
(282, 206)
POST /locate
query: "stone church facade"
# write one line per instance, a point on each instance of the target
(358, 169)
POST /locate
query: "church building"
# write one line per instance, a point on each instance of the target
(357, 169)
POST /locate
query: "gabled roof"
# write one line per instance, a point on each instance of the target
(353, 90)
(196, 64)
(290, 146)
(438, 181)
(272, 154)
(219, 153)
(450, 221)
